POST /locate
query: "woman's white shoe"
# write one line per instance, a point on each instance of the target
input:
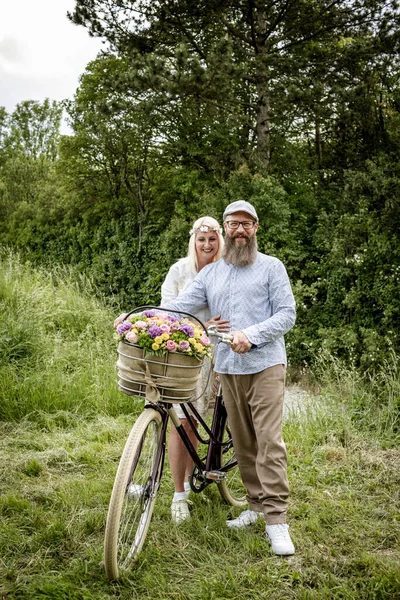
(180, 510)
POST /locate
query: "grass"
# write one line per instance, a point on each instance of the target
(59, 454)
(56, 351)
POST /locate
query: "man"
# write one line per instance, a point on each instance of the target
(253, 292)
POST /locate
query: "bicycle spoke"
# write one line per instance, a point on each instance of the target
(134, 494)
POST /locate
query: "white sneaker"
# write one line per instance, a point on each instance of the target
(280, 540)
(247, 517)
(135, 490)
(180, 511)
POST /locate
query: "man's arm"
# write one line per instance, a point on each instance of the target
(192, 300)
(283, 310)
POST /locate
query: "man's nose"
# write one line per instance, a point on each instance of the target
(241, 225)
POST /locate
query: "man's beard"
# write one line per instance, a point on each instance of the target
(241, 254)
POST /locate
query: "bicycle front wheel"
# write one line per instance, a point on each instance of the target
(231, 488)
(134, 494)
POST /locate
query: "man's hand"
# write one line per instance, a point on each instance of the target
(240, 342)
(222, 325)
(119, 320)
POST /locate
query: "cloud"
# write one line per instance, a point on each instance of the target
(10, 51)
(42, 54)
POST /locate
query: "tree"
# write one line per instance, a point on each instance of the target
(34, 129)
(236, 51)
(29, 146)
(113, 149)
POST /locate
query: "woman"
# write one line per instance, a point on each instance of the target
(205, 246)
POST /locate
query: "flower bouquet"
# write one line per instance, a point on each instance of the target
(160, 333)
(160, 356)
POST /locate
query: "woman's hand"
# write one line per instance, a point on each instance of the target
(222, 325)
(119, 320)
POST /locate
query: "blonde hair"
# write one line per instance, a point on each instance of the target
(209, 224)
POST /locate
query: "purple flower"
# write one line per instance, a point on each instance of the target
(124, 327)
(149, 313)
(184, 345)
(154, 331)
(187, 329)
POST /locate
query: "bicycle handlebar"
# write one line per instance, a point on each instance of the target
(226, 338)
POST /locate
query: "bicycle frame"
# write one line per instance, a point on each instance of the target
(207, 469)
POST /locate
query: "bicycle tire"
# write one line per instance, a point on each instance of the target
(129, 513)
(231, 488)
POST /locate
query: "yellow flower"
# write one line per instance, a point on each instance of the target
(155, 346)
(158, 340)
(164, 336)
(199, 347)
(192, 341)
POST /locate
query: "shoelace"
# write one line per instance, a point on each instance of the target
(279, 531)
(245, 514)
(181, 500)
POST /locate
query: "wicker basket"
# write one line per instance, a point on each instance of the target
(171, 378)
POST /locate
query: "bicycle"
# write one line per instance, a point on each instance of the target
(141, 467)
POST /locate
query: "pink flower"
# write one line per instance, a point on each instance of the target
(141, 324)
(132, 337)
(175, 326)
(165, 328)
(171, 346)
(163, 316)
(184, 345)
(204, 340)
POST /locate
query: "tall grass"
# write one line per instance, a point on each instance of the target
(56, 346)
(369, 402)
(62, 430)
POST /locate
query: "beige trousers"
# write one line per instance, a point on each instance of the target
(255, 407)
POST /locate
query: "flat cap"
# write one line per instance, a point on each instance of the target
(240, 206)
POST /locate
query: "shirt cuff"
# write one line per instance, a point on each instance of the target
(253, 335)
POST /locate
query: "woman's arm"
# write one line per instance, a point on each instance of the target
(170, 286)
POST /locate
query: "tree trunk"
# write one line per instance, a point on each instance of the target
(318, 142)
(263, 100)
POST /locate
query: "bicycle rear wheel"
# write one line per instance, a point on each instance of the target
(231, 488)
(134, 494)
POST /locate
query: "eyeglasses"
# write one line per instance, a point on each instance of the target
(245, 224)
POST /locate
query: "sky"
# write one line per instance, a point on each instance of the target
(42, 54)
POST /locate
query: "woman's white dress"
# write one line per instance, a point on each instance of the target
(178, 278)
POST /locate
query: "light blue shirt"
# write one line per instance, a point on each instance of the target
(257, 299)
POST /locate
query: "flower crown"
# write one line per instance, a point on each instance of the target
(205, 229)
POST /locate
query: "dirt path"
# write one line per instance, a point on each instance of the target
(295, 399)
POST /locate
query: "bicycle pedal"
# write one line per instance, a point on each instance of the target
(215, 475)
